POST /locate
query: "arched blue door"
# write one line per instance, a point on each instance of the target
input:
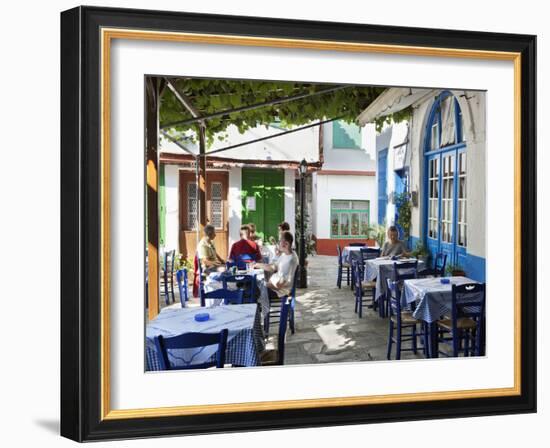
(445, 189)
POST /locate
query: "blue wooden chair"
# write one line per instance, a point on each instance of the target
(364, 291)
(400, 321)
(341, 267)
(465, 326)
(245, 282)
(229, 296)
(364, 254)
(274, 311)
(191, 340)
(438, 270)
(183, 286)
(168, 276)
(357, 244)
(277, 357)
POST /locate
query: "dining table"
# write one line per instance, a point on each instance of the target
(432, 299)
(380, 269)
(245, 339)
(214, 281)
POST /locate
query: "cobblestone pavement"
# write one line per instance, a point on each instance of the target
(327, 327)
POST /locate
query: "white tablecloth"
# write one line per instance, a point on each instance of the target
(433, 298)
(382, 269)
(214, 281)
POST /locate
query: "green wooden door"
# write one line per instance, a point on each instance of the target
(267, 189)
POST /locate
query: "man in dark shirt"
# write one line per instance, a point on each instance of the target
(245, 247)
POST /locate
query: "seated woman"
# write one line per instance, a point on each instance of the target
(280, 283)
(253, 236)
(393, 247)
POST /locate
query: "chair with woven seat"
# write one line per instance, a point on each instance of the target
(183, 286)
(189, 341)
(438, 269)
(341, 267)
(465, 326)
(276, 357)
(245, 282)
(272, 317)
(363, 289)
(402, 320)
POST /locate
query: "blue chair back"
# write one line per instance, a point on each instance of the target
(183, 285)
(394, 298)
(405, 270)
(229, 296)
(243, 260)
(191, 340)
(369, 253)
(357, 244)
(283, 321)
(468, 300)
(247, 281)
(440, 263)
(339, 252)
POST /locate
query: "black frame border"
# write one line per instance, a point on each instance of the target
(81, 223)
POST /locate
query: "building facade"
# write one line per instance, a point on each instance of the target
(255, 183)
(438, 158)
(344, 204)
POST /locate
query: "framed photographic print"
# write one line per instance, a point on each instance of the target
(276, 224)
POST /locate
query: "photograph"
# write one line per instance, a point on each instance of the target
(300, 223)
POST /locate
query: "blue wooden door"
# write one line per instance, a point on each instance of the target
(382, 185)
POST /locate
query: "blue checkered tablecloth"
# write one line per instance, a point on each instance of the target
(244, 344)
(380, 269)
(214, 281)
(433, 298)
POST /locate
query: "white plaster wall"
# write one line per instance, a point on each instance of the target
(234, 204)
(342, 187)
(296, 146)
(172, 206)
(350, 159)
(290, 198)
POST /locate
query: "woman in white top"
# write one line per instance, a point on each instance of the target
(284, 269)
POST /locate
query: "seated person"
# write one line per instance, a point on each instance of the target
(282, 227)
(210, 260)
(245, 246)
(393, 247)
(284, 269)
(253, 236)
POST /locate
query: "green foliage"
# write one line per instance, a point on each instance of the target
(215, 95)
(182, 262)
(310, 243)
(403, 203)
(378, 232)
(396, 117)
(420, 251)
(454, 269)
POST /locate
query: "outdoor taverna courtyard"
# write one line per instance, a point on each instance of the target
(298, 223)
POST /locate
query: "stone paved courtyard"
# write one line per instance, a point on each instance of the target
(328, 329)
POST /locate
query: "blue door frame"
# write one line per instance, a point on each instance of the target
(455, 254)
(382, 184)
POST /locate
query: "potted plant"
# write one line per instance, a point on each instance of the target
(421, 252)
(455, 270)
(378, 233)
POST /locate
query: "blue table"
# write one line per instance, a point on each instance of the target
(244, 344)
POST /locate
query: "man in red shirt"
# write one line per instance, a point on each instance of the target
(245, 247)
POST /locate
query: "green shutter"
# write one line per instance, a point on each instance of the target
(346, 135)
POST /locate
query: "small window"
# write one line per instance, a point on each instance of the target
(192, 206)
(216, 205)
(349, 219)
